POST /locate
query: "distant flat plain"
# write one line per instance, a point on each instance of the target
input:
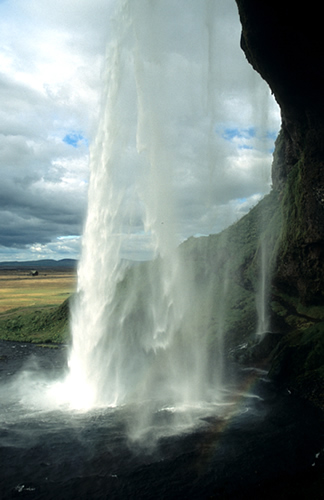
(18, 288)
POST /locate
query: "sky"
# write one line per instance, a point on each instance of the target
(52, 66)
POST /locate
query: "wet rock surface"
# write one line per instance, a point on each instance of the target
(268, 445)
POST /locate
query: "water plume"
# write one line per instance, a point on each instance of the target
(134, 327)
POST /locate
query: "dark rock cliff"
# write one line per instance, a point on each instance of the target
(283, 41)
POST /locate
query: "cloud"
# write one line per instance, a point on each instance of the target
(189, 89)
(49, 91)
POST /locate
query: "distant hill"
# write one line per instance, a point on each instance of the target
(49, 264)
(40, 264)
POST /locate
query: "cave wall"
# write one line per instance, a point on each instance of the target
(283, 41)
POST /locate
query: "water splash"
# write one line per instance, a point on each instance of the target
(135, 331)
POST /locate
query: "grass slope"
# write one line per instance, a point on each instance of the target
(37, 325)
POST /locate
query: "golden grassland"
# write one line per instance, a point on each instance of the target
(20, 289)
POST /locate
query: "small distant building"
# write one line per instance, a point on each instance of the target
(34, 273)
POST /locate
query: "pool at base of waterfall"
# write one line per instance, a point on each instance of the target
(257, 442)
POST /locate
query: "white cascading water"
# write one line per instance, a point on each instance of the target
(262, 296)
(143, 344)
(146, 332)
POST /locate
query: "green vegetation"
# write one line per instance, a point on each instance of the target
(19, 289)
(31, 308)
(292, 207)
(37, 325)
(298, 362)
(229, 266)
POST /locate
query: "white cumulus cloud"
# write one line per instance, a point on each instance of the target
(51, 59)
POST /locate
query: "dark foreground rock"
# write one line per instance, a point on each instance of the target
(268, 445)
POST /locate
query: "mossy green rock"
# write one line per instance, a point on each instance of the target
(298, 363)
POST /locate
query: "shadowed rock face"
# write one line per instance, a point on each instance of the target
(283, 41)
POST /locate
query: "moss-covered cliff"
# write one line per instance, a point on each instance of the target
(283, 42)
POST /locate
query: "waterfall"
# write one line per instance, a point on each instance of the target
(262, 295)
(134, 328)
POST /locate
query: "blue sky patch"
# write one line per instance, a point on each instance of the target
(74, 139)
(231, 133)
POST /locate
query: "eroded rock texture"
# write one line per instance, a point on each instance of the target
(283, 41)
